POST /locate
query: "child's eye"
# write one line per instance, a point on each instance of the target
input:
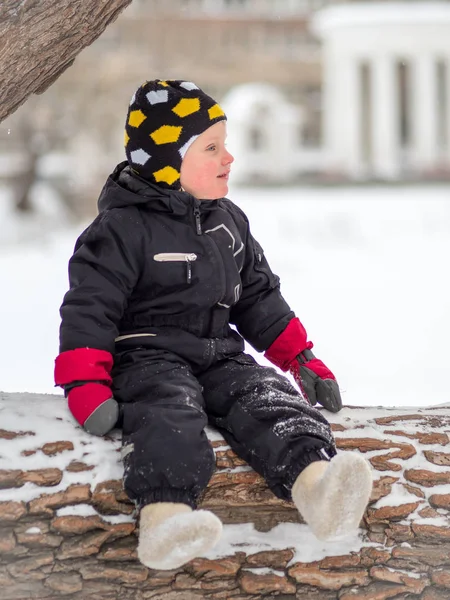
(212, 147)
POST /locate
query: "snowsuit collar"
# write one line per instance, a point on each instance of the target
(125, 188)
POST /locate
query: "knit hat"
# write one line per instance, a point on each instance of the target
(163, 120)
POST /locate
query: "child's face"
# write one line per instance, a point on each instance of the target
(206, 165)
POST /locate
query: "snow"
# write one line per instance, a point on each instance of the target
(79, 510)
(50, 421)
(363, 267)
(115, 519)
(307, 548)
(435, 521)
(86, 510)
(241, 469)
(400, 496)
(264, 571)
(33, 531)
(24, 229)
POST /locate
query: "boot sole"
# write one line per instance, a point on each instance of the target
(340, 499)
(179, 539)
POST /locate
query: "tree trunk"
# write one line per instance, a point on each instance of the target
(39, 39)
(25, 184)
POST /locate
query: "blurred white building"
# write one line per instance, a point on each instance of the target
(385, 97)
(380, 87)
(386, 88)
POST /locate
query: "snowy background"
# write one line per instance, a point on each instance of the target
(365, 269)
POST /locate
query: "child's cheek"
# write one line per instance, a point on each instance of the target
(208, 171)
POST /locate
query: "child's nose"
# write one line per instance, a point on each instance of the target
(228, 158)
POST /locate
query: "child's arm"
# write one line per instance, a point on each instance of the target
(265, 320)
(261, 313)
(102, 274)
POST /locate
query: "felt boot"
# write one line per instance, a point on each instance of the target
(172, 534)
(332, 496)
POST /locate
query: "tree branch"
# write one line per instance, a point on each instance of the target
(39, 39)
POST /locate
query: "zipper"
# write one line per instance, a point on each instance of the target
(198, 223)
(221, 265)
(189, 271)
(175, 256)
(178, 257)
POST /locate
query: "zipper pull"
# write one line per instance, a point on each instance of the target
(189, 269)
(198, 224)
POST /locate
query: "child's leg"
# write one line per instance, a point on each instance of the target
(168, 459)
(265, 420)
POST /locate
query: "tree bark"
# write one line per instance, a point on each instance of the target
(39, 39)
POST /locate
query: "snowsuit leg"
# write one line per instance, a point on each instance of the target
(265, 420)
(167, 456)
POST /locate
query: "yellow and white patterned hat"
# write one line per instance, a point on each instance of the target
(164, 118)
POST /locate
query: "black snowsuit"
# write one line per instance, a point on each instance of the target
(156, 280)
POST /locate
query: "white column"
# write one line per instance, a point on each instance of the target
(341, 113)
(425, 113)
(447, 94)
(385, 114)
(285, 143)
(330, 108)
(349, 121)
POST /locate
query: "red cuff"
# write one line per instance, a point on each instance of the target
(83, 364)
(288, 345)
(315, 365)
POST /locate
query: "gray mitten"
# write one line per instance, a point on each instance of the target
(316, 381)
(93, 407)
(103, 419)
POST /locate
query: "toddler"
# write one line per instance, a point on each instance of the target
(165, 285)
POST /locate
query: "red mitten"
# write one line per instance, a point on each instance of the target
(292, 352)
(85, 374)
